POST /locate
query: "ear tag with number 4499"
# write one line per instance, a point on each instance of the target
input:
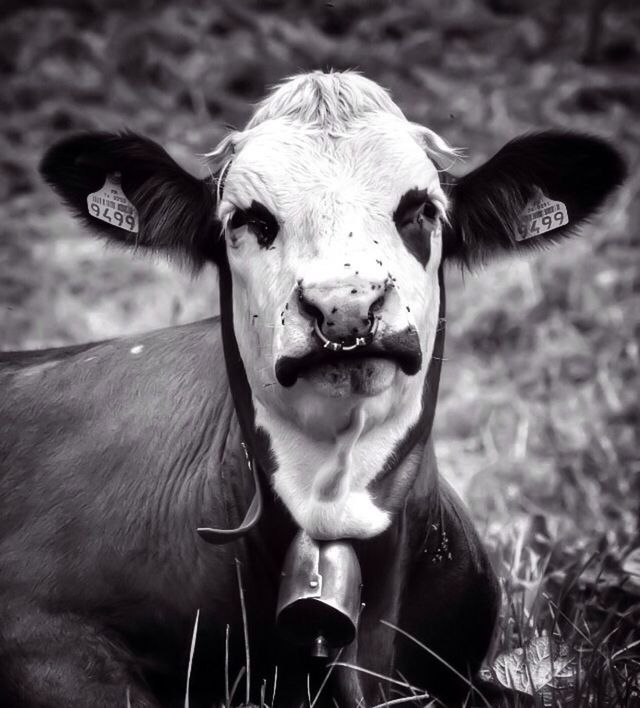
(541, 215)
(110, 204)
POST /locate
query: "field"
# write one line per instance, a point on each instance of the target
(538, 419)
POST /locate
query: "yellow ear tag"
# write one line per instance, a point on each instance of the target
(110, 204)
(541, 215)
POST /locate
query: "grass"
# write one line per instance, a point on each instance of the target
(538, 420)
(586, 620)
(568, 635)
(557, 653)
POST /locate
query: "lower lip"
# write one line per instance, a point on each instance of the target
(355, 377)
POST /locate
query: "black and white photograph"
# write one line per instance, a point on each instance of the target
(319, 353)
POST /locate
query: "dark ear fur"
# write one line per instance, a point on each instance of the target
(487, 204)
(176, 210)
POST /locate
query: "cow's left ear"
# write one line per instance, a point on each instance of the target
(535, 190)
(128, 189)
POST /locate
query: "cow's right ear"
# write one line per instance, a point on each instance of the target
(128, 189)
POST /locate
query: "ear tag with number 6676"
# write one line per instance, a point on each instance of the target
(541, 215)
(110, 204)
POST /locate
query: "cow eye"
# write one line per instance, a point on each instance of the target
(259, 220)
(429, 211)
(415, 207)
(419, 214)
(415, 219)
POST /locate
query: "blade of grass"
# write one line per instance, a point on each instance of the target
(191, 653)
(407, 699)
(245, 629)
(263, 691)
(227, 700)
(275, 685)
(567, 587)
(361, 669)
(616, 654)
(236, 683)
(324, 680)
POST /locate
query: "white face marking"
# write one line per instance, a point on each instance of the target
(333, 196)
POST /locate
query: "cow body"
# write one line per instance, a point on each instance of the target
(137, 445)
(330, 222)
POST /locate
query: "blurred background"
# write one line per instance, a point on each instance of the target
(538, 418)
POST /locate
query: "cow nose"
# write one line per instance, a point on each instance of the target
(343, 314)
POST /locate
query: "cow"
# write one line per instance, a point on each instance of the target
(152, 480)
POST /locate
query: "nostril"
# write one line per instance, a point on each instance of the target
(376, 305)
(310, 310)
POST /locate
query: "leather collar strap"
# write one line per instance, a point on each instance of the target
(241, 393)
(422, 429)
(251, 518)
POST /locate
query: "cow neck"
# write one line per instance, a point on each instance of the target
(255, 444)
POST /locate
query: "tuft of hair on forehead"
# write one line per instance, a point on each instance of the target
(331, 102)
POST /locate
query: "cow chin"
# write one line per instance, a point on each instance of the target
(324, 398)
(347, 378)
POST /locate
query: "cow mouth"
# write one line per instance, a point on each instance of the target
(358, 368)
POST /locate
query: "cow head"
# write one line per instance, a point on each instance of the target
(329, 218)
